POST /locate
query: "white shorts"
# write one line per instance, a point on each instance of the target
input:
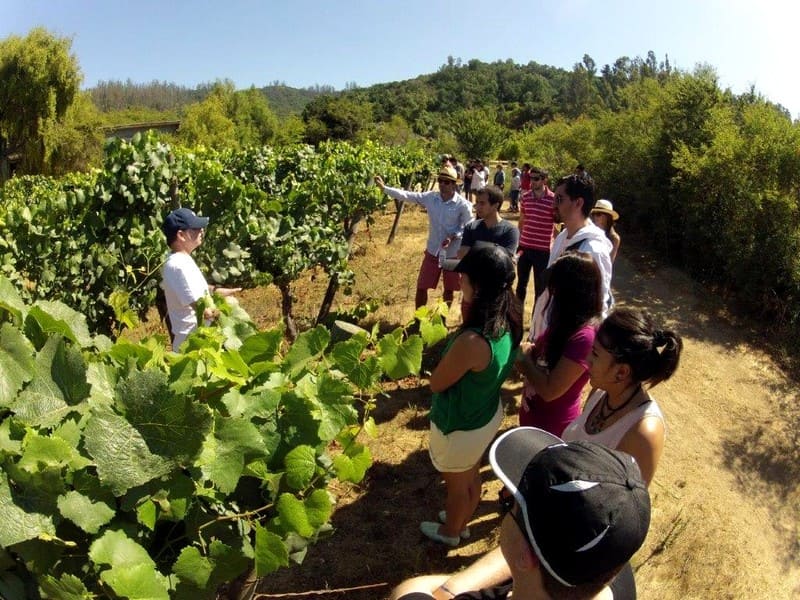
(459, 451)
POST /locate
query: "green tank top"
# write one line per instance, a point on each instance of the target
(471, 402)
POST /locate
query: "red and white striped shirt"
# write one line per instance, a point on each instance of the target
(537, 225)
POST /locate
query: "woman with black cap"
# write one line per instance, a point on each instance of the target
(466, 410)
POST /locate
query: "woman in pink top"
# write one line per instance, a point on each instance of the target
(555, 366)
(629, 351)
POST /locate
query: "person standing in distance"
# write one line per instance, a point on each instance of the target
(448, 213)
(182, 281)
(536, 232)
(499, 177)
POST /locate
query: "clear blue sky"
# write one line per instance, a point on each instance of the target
(304, 42)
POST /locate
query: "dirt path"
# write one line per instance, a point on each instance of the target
(726, 496)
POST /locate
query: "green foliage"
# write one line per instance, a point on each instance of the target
(39, 79)
(76, 143)
(335, 118)
(478, 132)
(95, 241)
(152, 475)
(208, 123)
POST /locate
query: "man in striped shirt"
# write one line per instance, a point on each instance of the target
(536, 233)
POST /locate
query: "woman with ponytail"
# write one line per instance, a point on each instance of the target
(466, 411)
(629, 353)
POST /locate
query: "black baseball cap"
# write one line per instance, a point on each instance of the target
(182, 219)
(585, 507)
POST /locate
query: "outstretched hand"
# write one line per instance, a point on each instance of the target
(379, 182)
(227, 291)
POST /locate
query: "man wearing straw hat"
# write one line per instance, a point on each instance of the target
(448, 213)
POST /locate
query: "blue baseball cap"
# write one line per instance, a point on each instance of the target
(182, 219)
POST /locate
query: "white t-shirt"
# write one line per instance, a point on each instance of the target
(183, 285)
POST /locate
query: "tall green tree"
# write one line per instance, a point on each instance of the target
(76, 142)
(335, 118)
(39, 78)
(227, 118)
(478, 132)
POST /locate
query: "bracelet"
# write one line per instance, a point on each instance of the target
(443, 587)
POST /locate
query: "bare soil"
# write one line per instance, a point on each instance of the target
(726, 497)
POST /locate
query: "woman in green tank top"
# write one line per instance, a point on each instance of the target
(466, 410)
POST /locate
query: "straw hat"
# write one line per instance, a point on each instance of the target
(605, 206)
(448, 172)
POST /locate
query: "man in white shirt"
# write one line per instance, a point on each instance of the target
(574, 200)
(182, 281)
(448, 213)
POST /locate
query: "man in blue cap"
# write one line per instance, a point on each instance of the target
(182, 281)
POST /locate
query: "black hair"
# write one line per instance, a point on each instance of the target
(578, 186)
(575, 300)
(540, 171)
(631, 337)
(493, 194)
(495, 307)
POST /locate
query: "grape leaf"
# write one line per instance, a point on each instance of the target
(16, 362)
(68, 587)
(318, 508)
(261, 403)
(366, 373)
(40, 452)
(59, 380)
(11, 301)
(171, 426)
(133, 573)
(193, 567)
(137, 582)
(224, 451)
(308, 346)
(400, 359)
(89, 516)
(17, 524)
(121, 454)
(432, 330)
(271, 553)
(222, 564)
(46, 317)
(300, 467)
(353, 465)
(102, 379)
(261, 347)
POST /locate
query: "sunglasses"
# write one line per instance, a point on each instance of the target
(441, 181)
(536, 177)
